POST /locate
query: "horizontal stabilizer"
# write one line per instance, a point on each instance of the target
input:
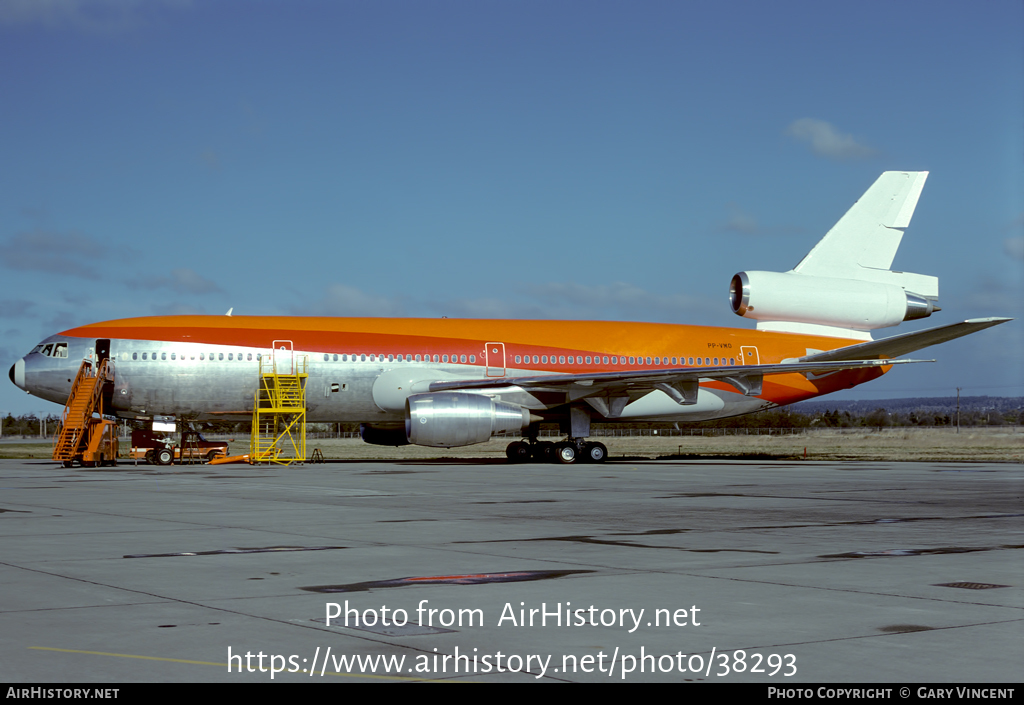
(905, 343)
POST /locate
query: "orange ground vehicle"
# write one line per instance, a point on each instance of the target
(160, 449)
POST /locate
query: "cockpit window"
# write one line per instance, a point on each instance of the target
(37, 348)
(60, 350)
(47, 349)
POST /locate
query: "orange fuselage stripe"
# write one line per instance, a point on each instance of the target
(520, 337)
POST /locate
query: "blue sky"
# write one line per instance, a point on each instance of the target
(518, 159)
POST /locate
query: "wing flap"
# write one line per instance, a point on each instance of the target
(679, 383)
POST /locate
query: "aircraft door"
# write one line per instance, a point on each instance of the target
(750, 356)
(101, 353)
(284, 357)
(494, 359)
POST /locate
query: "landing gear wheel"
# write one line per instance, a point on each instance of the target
(544, 451)
(518, 452)
(595, 452)
(164, 456)
(566, 453)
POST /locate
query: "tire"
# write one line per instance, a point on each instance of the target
(151, 456)
(523, 452)
(164, 456)
(596, 452)
(544, 451)
(518, 452)
(566, 453)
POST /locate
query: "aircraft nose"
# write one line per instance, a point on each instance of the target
(17, 373)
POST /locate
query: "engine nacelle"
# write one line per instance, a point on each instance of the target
(383, 435)
(842, 303)
(449, 419)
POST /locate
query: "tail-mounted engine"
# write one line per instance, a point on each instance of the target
(840, 303)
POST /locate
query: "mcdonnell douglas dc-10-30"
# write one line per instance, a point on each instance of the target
(451, 382)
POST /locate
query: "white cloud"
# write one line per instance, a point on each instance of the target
(1014, 247)
(16, 308)
(993, 296)
(740, 222)
(618, 300)
(826, 141)
(182, 281)
(177, 309)
(52, 252)
(99, 16)
(343, 300)
(188, 281)
(555, 300)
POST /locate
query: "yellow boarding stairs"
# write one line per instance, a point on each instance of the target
(279, 412)
(84, 434)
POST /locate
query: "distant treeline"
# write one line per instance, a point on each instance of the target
(974, 411)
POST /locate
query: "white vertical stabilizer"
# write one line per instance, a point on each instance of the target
(844, 287)
(868, 236)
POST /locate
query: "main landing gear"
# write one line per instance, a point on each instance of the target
(569, 451)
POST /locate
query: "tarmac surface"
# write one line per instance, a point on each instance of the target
(817, 572)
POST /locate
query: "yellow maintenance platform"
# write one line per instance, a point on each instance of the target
(279, 411)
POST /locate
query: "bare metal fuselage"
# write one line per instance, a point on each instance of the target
(204, 382)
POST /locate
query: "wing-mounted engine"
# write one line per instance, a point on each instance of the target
(450, 419)
(844, 286)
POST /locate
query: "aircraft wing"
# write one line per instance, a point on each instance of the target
(609, 392)
(905, 343)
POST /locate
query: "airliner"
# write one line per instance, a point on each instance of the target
(455, 382)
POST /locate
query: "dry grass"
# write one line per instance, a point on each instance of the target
(981, 445)
(999, 445)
